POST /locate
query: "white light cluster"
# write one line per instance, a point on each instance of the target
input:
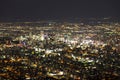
(87, 42)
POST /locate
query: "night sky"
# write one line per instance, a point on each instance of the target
(57, 9)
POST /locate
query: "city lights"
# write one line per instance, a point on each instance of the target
(76, 51)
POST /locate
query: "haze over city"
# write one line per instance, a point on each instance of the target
(52, 9)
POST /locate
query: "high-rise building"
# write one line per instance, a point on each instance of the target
(42, 35)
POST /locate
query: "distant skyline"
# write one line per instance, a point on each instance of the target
(57, 9)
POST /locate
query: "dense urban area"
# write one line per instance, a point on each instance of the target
(49, 50)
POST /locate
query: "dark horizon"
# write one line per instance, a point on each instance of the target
(24, 10)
